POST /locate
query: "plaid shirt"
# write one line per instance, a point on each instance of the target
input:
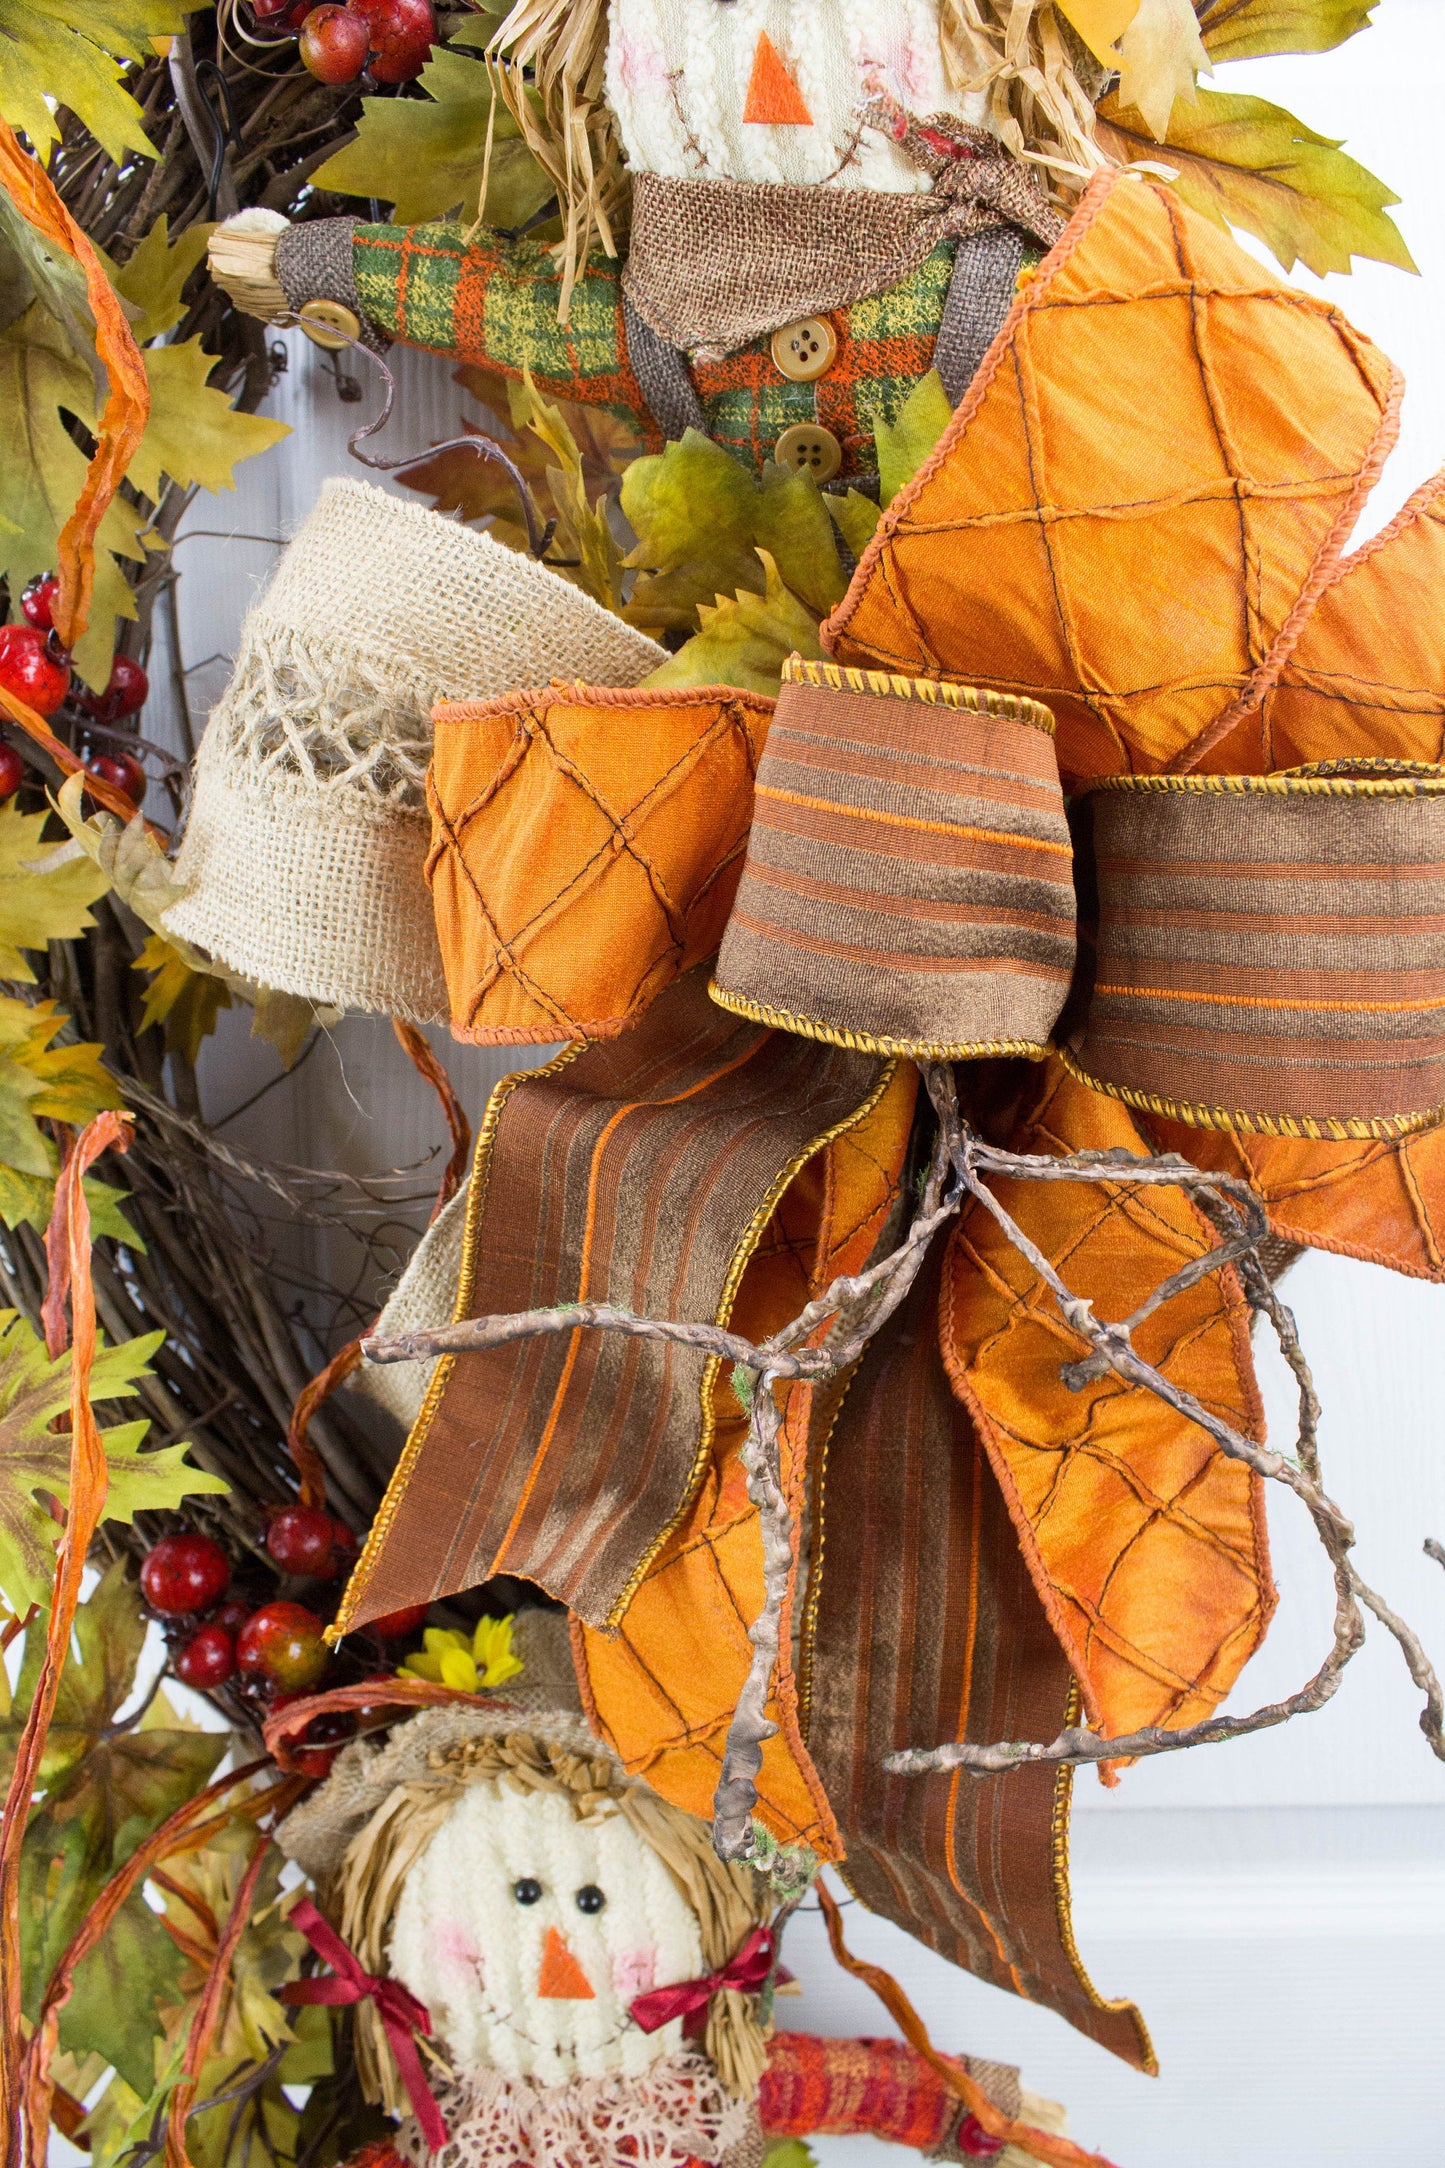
(495, 301)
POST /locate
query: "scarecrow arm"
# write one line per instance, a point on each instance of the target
(876, 2088)
(488, 300)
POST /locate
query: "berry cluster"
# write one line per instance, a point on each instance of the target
(36, 669)
(389, 40)
(260, 1653)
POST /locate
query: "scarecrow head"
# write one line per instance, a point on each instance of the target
(495, 1860)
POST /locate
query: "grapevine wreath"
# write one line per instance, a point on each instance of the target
(877, 705)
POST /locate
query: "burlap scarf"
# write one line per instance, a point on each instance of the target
(715, 264)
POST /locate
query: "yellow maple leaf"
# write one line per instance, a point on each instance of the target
(1100, 23)
(194, 433)
(185, 1002)
(39, 1080)
(154, 276)
(44, 892)
(1161, 54)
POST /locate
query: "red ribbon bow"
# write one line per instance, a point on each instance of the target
(400, 2012)
(746, 1971)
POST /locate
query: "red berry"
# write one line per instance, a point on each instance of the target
(402, 33)
(12, 770)
(396, 1625)
(334, 44)
(122, 771)
(344, 1541)
(38, 602)
(208, 1658)
(126, 692)
(288, 14)
(184, 1574)
(282, 1643)
(302, 1540)
(29, 670)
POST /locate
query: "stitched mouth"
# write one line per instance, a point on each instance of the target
(508, 2020)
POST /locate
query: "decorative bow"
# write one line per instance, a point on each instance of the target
(746, 1971)
(401, 2014)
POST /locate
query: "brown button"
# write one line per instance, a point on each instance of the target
(322, 320)
(807, 349)
(811, 449)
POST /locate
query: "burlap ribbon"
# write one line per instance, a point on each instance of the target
(714, 264)
(644, 1172)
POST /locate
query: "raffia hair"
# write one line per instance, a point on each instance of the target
(548, 60)
(728, 1900)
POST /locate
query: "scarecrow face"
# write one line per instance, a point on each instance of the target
(527, 1934)
(774, 90)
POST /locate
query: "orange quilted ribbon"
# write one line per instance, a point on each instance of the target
(662, 1689)
(1147, 1546)
(127, 406)
(1136, 505)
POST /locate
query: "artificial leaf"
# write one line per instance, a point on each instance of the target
(425, 156)
(38, 1079)
(186, 1002)
(27, 1200)
(43, 470)
(286, 1021)
(583, 533)
(692, 509)
(1244, 162)
(124, 2118)
(793, 526)
(856, 518)
(194, 433)
(1248, 29)
(789, 2153)
(1100, 23)
(70, 53)
(45, 893)
(122, 1986)
(903, 445)
(35, 1460)
(153, 278)
(1160, 54)
(745, 639)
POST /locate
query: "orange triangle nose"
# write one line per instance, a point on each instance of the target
(561, 1978)
(773, 94)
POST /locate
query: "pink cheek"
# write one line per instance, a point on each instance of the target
(898, 67)
(641, 66)
(633, 1973)
(455, 1950)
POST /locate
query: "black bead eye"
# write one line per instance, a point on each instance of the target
(590, 1898)
(527, 1891)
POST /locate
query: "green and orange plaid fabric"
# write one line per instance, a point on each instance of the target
(494, 301)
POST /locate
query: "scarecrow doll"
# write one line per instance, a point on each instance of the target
(777, 217)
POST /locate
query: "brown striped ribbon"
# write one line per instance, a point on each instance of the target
(921, 1626)
(1271, 949)
(908, 885)
(641, 1171)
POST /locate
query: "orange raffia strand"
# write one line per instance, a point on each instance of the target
(428, 1066)
(190, 1827)
(127, 406)
(203, 2024)
(1054, 2152)
(289, 1724)
(341, 1366)
(70, 1232)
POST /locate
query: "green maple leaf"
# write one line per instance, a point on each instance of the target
(1246, 29)
(35, 1460)
(745, 639)
(154, 277)
(194, 433)
(702, 522)
(856, 518)
(425, 157)
(42, 472)
(45, 893)
(72, 53)
(904, 444)
(789, 2153)
(1244, 162)
(106, 1789)
(38, 1080)
(27, 1200)
(185, 1002)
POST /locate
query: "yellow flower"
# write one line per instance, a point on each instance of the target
(469, 1666)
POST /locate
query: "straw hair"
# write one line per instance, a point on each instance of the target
(548, 61)
(728, 1900)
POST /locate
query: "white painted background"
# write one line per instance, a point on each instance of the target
(1277, 1906)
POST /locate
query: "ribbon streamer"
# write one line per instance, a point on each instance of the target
(746, 1971)
(400, 2012)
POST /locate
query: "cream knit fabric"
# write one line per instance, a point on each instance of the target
(308, 833)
